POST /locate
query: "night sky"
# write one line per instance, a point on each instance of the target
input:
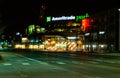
(75, 7)
(18, 14)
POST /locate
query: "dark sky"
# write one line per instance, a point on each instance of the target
(81, 6)
(20, 13)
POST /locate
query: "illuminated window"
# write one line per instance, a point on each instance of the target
(31, 28)
(38, 30)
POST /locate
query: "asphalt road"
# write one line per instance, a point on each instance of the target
(15, 65)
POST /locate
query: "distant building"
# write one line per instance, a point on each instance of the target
(105, 30)
(99, 32)
(102, 35)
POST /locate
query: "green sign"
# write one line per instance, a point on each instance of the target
(76, 18)
(82, 17)
(48, 19)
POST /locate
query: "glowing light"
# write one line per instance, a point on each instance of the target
(77, 18)
(24, 39)
(17, 33)
(82, 17)
(86, 23)
(63, 18)
(20, 46)
(69, 23)
(38, 30)
(48, 19)
(86, 34)
(119, 9)
(101, 32)
(72, 37)
(41, 46)
(43, 6)
(31, 28)
(102, 46)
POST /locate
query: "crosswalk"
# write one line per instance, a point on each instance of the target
(27, 63)
(30, 62)
(40, 62)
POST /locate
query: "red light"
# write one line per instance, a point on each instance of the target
(43, 7)
(86, 23)
(69, 23)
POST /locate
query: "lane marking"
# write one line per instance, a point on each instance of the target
(7, 64)
(60, 63)
(38, 61)
(75, 62)
(25, 63)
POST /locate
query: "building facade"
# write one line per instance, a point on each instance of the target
(104, 32)
(99, 32)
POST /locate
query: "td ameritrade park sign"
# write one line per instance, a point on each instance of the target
(62, 18)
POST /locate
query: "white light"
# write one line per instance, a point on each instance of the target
(63, 18)
(86, 34)
(119, 9)
(101, 46)
(17, 33)
(72, 37)
(101, 32)
(94, 46)
(87, 45)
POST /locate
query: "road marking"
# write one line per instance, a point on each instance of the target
(60, 63)
(33, 59)
(75, 62)
(7, 64)
(25, 63)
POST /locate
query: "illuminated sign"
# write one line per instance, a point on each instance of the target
(77, 18)
(82, 17)
(48, 19)
(86, 23)
(63, 18)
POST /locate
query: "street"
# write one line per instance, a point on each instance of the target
(19, 65)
